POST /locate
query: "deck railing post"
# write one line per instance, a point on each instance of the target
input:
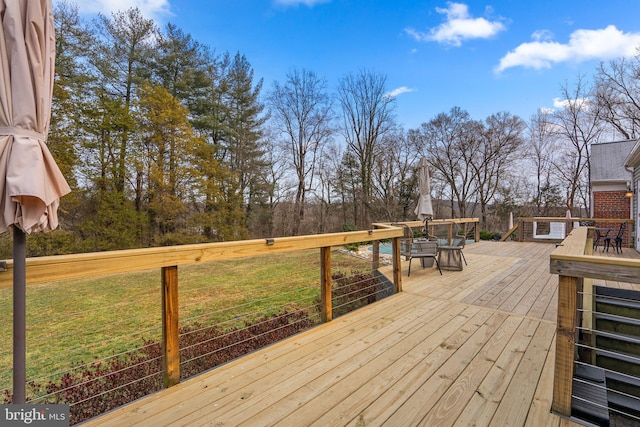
(170, 344)
(520, 230)
(325, 284)
(397, 269)
(375, 255)
(568, 288)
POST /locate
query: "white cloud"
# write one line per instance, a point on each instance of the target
(541, 35)
(149, 8)
(398, 91)
(583, 45)
(459, 26)
(566, 103)
(309, 3)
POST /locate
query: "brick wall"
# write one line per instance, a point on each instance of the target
(612, 204)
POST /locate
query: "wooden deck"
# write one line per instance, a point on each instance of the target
(474, 347)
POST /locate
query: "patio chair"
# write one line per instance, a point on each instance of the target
(459, 241)
(617, 239)
(411, 247)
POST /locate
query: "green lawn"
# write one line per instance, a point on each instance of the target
(80, 321)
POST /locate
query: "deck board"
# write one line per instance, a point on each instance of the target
(470, 347)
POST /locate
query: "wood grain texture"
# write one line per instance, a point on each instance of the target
(325, 284)
(456, 349)
(63, 267)
(565, 344)
(170, 327)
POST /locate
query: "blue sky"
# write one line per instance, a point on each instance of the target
(484, 57)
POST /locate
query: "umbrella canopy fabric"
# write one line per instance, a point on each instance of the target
(424, 208)
(31, 183)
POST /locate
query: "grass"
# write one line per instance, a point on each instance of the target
(80, 321)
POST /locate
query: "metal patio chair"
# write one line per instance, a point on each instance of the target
(411, 247)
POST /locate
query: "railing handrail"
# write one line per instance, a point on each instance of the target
(575, 266)
(381, 225)
(73, 266)
(574, 219)
(435, 223)
(569, 259)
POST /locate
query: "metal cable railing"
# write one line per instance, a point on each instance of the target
(606, 381)
(98, 343)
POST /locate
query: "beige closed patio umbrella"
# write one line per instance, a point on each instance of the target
(424, 208)
(31, 183)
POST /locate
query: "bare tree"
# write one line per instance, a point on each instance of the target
(327, 189)
(393, 189)
(541, 143)
(367, 116)
(450, 141)
(577, 126)
(502, 137)
(617, 95)
(302, 111)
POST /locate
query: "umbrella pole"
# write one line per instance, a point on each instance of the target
(19, 316)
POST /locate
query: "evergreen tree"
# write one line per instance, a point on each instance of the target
(244, 152)
(168, 147)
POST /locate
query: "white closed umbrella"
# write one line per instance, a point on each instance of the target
(31, 183)
(510, 220)
(424, 208)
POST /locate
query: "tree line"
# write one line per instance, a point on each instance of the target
(165, 141)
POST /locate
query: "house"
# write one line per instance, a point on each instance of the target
(632, 163)
(611, 183)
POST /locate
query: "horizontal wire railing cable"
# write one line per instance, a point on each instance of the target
(607, 408)
(76, 368)
(351, 302)
(236, 343)
(631, 377)
(99, 327)
(303, 280)
(146, 362)
(603, 351)
(251, 302)
(357, 290)
(232, 331)
(613, 316)
(264, 290)
(108, 317)
(612, 347)
(115, 389)
(237, 316)
(613, 335)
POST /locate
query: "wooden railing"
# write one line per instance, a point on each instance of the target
(524, 227)
(168, 259)
(575, 266)
(438, 224)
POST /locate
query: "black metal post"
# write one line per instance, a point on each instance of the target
(19, 316)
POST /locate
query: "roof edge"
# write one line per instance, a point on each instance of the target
(633, 159)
